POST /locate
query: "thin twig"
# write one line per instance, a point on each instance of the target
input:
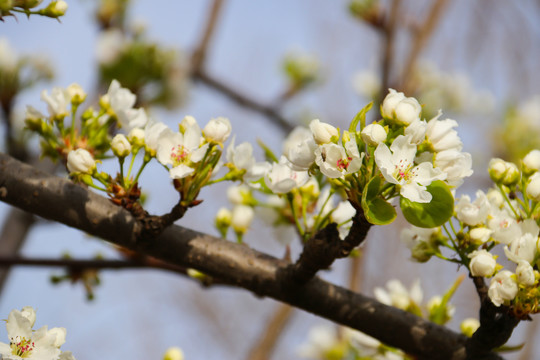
(388, 31)
(199, 54)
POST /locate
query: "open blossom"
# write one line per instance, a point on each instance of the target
(456, 164)
(218, 129)
(531, 161)
(397, 167)
(152, 135)
(241, 157)
(398, 296)
(80, 161)
(181, 151)
(323, 133)
(417, 131)
(26, 343)
(442, 135)
(282, 179)
(57, 102)
(336, 161)
(525, 273)
(473, 213)
(503, 288)
(299, 148)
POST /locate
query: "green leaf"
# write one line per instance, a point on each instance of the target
(432, 214)
(360, 117)
(268, 154)
(376, 210)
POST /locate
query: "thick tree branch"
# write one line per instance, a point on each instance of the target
(60, 200)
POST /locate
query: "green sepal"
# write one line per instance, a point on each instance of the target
(377, 210)
(432, 214)
(360, 118)
(268, 154)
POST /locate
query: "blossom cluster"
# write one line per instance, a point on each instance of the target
(26, 343)
(503, 221)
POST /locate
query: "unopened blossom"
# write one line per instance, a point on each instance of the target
(242, 217)
(120, 146)
(299, 148)
(398, 296)
(482, 263)
(33, 118)
(218, 129)
(456, 164)
(399, 108)
(397, 167)
(136, 137)
(373, 134)
(390, 102)
(239, 194)
(311, 188)
(110, 45)
(480, 235)
(57, 8)
(342, 215)
(503, 288)
(531, 162)
(473, 213)
(367, 83)
(80, 161)
(173, 353)
(469, 326)
(441, 134)
(282, 179)
(533, 188)
(181, 151)
(420, 241)
(497, 169)
(76, 93)
(336, 161)
(525, 273)
(512, 175)
(321, 339)
(434, 304)
(57, 102)
(323, 133)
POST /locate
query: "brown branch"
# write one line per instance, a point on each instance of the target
(388, 31)
(199, 54)
(262, 349)
(60, 200)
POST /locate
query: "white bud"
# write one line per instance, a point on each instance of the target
(173, 353)
(497, 169)
(120, 146)
(480, 235)
(503, 288)
(533, 188)
(407, 110)
(136, 137)
(323, 133)
(512, 174)
(218, 129)
(390, 102)
(76, 93)
(482, 263)
(242, 216)
(531, 162)
(373, 134)
(80, 161)
(469, 326)
(525, 273)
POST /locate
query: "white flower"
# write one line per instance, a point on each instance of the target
(531, 161)
(533, 188)
(25, 343)
(321, 339)
(503, 288)
(367, 83)
(522, 248)
(336, 161)
(323, 133)
(242, 216)
(482, 263)
(298, 135)
(120, 146)
(407, 110)
(390, 102)
(136, 137)
(497, 169)
(57, 102)
(397, 167)
(398, 296)
(441, 134)
(173, 353)
(241, 157)
(152, 135)
(281, 178)
(33, 117)
(239, 194)
(456, 164)
(373, 134)
(473, 213)
(218, 129)
(76, 93)
(417, 131)
(505, 228)
(299, 148)
(110, 45)
(469, 326)
(80, 161)
(132, 118)
(342, 215)
(480, 235)
(58, 8)
(525, 273)
(181, 151)
(119, 98)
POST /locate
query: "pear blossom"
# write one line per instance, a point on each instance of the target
(390, 102)
(522, 248)
(482, 263)
(174, 353)
(480, 235)
(421, 241)
(57, 102)
(110, 45)
(26, 343)
(531, 161)
(323, 133)
(441, 134)
(241, 218)
(397, 167)
(497, 169)
(299, 148)
(136, 137)
(239, 194)
(525, 273)
(321, 339)
(398, 296)
(417, 131)
(181, 151)
(373, 134)
(241, 157)
(456, 164)
(152, 135)
(295, 137)
(80, 161)
(342, 215)
(132, 118)
(396, 106)
(505, 228)
(533, 187)
(503, 288)
(76, 93)
(473, 213)
(218, 129)
(281, 178)
(469, 326)
(8, 56)
(336, 161)
(367, 83)
(120, 146)
(119, 98)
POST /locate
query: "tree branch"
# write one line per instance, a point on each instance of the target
(60, 200)
(199, 54)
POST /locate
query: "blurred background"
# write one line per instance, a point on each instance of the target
(267, 66)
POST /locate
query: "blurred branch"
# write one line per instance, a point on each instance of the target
(199, 55)
(262, 349)
(60, 200)
(388, 30)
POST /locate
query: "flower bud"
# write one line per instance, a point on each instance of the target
(373, 134)
(497, 169)
(120, 146)
(136, 137)
(223, 221)
(531, 162)
(76, 94)
(407, 110)
(390, 102)
(482, 263)
(217, 130)
(55, 9)
(240, 195)
(323, 133)
(173, 353)
(242, 216)
(80, 161)
(33, 118)
(6, 5)
(311, 188)
(480, 235)
(469, 326)
(511, 177)
(525, 273)
(533, 188)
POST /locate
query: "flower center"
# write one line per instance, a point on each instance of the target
(343, 164)
(179, 155)
(21, 346)
(403, 172)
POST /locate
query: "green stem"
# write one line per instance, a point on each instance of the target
(140, 170)
(121, 162)
(293, 211)
(508, 201)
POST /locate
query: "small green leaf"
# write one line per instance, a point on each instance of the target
(268, 154)
(432, 214)
(360, 118)
(376, 210)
